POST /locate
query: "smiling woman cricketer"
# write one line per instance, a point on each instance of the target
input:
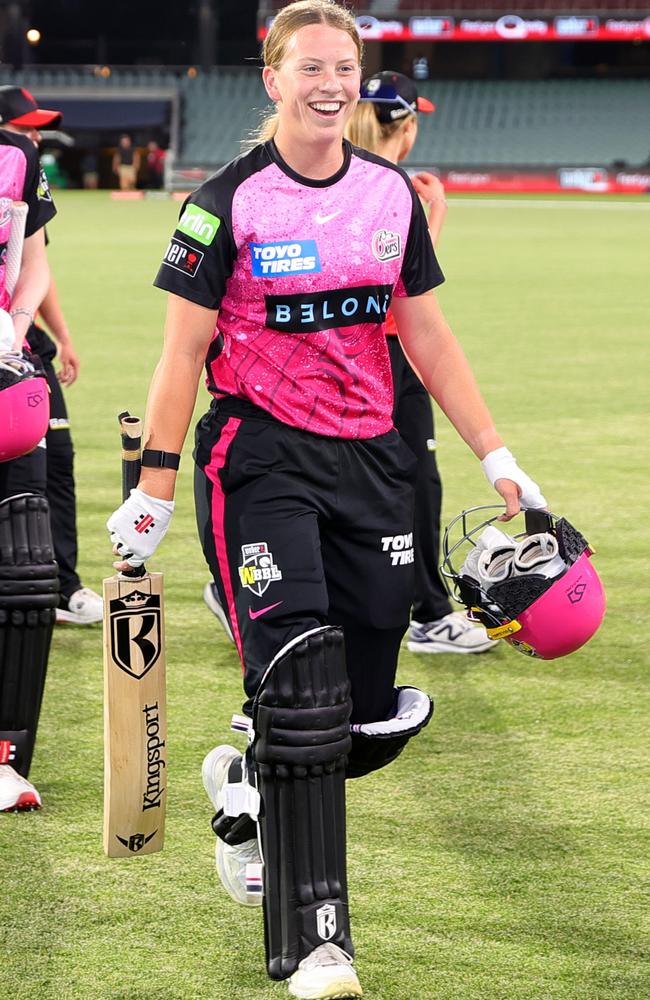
(279, 274)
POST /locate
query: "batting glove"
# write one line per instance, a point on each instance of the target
(139, 525)
(501, 464)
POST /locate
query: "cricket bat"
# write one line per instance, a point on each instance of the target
(135, 716)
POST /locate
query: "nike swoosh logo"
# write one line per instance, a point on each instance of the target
(255, 614)
(321, 219)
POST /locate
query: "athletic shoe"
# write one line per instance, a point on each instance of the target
(16, 792)
(231, 860)
(211, 598)
(326, 974)
(451, 634)
(84, 607)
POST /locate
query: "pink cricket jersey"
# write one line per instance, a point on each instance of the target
(302, 273)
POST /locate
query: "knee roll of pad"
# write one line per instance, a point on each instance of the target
(376, 744)
(301, 740)
(29, 586)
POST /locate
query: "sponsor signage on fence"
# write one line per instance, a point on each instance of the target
(509, 28)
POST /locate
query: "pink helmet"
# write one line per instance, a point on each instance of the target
(24, 406)
(547, 610)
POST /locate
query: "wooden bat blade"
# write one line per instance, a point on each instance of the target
(135, 716)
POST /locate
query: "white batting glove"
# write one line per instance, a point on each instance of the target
(501, 464)
(139, 526)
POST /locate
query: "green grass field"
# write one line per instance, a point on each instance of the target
(505, 855)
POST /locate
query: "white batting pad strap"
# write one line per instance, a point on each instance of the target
(241, 724)
(501, 464)
(240, 797)
(413, 711)
(139, 525)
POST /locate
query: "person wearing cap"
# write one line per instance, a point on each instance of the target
(25, 632)
(386, 123)
(50, 470)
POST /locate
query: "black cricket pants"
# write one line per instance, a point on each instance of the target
(413, 418)
(300, 531)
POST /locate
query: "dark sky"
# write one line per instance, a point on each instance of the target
(124, 31)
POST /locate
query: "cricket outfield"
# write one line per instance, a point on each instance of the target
(504, 855)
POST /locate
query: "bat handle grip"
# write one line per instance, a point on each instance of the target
(135, 573)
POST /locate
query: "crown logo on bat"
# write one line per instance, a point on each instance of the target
(135, 599)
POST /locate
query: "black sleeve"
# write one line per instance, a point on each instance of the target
(200, 256)
(36, 193)
(420, 269)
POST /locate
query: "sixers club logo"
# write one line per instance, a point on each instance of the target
(182, 257)
(386, 245)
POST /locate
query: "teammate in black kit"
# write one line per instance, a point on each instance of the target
(281, 270)
(386, 122)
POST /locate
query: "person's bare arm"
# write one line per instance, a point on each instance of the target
(32, 285)
(430, 189)
(188, 331)
(52, 315)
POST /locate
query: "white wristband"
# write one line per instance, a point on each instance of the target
(501, 464)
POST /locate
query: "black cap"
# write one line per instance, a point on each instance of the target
(18, 107)
(394, 95)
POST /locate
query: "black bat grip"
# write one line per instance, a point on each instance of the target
(131, 432)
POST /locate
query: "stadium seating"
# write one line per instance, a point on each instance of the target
(478, 123)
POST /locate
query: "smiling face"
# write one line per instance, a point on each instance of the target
(316, 86)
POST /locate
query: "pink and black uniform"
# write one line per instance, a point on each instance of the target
(303, 487)
(21, 179)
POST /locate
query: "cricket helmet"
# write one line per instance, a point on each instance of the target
(537, 590)
(24, 406)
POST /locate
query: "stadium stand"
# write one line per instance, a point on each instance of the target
(384, 8)
(478, 123)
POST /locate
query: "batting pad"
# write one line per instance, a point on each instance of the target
(29, 586)
(302, 736)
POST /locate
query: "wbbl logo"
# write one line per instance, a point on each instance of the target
(258, 569)
(135, 632)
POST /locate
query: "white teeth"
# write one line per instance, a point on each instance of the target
(334, 106)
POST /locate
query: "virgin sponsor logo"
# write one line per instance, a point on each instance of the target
(258, 569)
(400, 548)
(386, 245)
(277, 260)
(156, 763)
(324, 310)
(182, 257)
(199, 224)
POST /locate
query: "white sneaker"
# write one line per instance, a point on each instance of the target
(231, 860)
(326, 974)
(451, 634)
(85, 607)
(16, 792)
(211, 598)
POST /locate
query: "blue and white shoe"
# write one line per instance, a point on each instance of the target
(211, 598)
(451, 634)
